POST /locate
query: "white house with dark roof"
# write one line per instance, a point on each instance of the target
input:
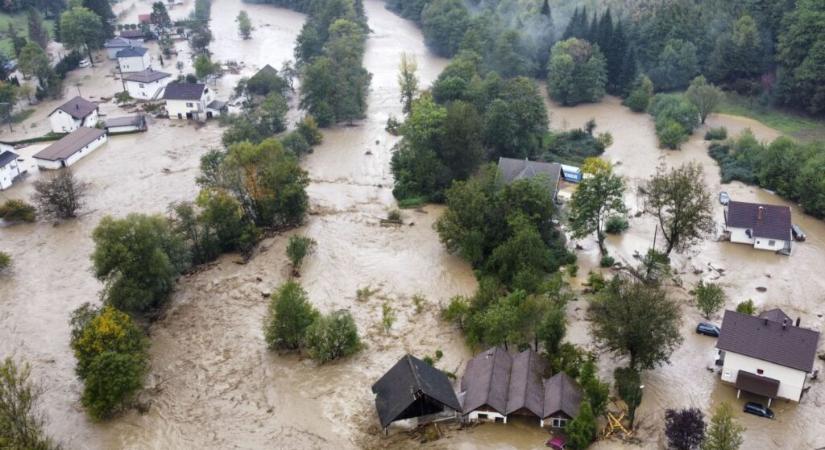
(767, 355)
(77, 112)
(119, 43)
(146, 84)
(188, 101)
(765, 227)
(134, 59)
(512, 170)
(70, 148)
(9, 168)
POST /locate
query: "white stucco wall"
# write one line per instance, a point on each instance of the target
(491, 416)
(175, 107)
(740, 236)
(791, 381)
(62, 122)
(8, 173)
(145, 91)
(135, 63)
(769, 244)
(89, 148)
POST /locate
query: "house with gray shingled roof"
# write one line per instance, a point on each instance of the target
(512, 170)
(765, 227)
(767, 355)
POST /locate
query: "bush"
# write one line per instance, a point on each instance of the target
(17, 211)
(616, 225)
(289, 316)
(5, 261)
(671, 135)
(596, 281)
(716, 134)
(332, 336)
(394, 215)
(746, 307)
(676, 118)
(297, 249)
(639, 98)
(60, 195)
(573, 270)
(111, 358)
(308, 128)
(607, 261)
(709, 298)
(294, 142)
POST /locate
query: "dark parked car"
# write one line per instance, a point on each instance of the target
(758, 410)
(708, 329)
(797, 232)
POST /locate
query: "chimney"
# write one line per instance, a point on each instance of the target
(761, 214)
(765, 321)
(797, 321)
(784, 323)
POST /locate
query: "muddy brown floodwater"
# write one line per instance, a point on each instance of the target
(214, 385)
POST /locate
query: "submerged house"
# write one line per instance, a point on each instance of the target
(413, 388)
(146, 84)
(9, 168)
(518, 169)
(75, 113)
(193, 101)
(116, 44)
(765, 227)
(767, 355)
(134, 59)
(70, 148)
(497, 385)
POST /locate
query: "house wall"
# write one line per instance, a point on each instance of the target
(181, 107)
(62, 122)
(740, 236)
(135, 63)
(791, 381)
(146, 91)
(8, 173)
(491, 416)
(89, 148)
(123, 129)
(556, 419)
(770, 244)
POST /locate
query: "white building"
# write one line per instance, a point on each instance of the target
(71, 148)
(77, 112)
(9, 168)
(146, 84)
(114, 45)
(134, 59)
(125, 124)
(766, 355)
(765, 227)
(188, 101)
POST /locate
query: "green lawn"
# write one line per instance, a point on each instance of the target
(20, 21)
(789, 123)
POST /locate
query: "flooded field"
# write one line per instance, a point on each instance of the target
(213, 383)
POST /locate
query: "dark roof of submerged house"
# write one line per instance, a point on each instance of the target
(412, 388)
(184, 91)
(776, 314)
(508, 383)
(518, 169)
(146, 76)
(132, 52)
(118, 42)
(766, 221)
(265, 70)
(78, 107)
(6, 157)
(777, 342)
(70, 144)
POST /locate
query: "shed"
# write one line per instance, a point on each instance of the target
(9, 168)
(70, 148)
(412, 388)
(126, 124)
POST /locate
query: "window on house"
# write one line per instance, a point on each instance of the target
(760, 371)
(140, 84)
(771, 242)
(188, 105)
(482, 417)
(559, 422)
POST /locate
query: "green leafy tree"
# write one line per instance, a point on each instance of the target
(709, 298)
(800, 53)
(597, 198)
(581, 431)
(271, 114)
(408, 81)
(577, 72)
(704, 96)
(596, 391)
(724, 433)
(552, 329)
(516, 121)
(33, 60)
(103, 9)
(82, 29)
(244, 25)
(159, 17)
(680, 202)
(636, 320)
(738, 54)
(138, 259)
(629, 388)
(746, 307)
(641, 94)
(676, 65)
(37, 31)
(290, 315)
(61, 195)
(204, 67)
(21, 426)
(444, 23)
(332, 336)
(297, 249)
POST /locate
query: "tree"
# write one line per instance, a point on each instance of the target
(516, 121)
(138, 259)
(551, 330)
(244, 25)
(297, 248)
(444, 23)
(801, 55)
(636, 320)
(738, 54)
(332, 336)
(709, 298)
(33, 60)
(677, 64)
(684, 428)
(61, 195)
(746, 307)
(37, 31)
(704, 96)
(597, 198)
(159, 17)
(271, 114)
(641, 94)
(628, 382)
(681, 204)
(577, 72)
(111, 358)
(17, 41)
(582, 429)
(82, 29)
(408, 81)
(102, 9)
(204, 67)
(724, 433)
(21, 427)
(596, 391)
(289, 316)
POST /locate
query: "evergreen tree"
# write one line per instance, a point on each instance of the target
(37, 32)
(628, 74)
(545, 10)
(570, 31)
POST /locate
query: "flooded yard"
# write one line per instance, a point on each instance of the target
(213, 384)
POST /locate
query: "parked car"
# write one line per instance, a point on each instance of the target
(708, 329)
(84, 63)
(797, 232)
(758, 410)
(724, 198)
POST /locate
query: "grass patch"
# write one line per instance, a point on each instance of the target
(22, 115)
(21, 23)
(790, 123)
(412, 202)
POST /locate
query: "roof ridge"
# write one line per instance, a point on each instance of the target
(414, 371)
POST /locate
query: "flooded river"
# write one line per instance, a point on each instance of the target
(214, 385)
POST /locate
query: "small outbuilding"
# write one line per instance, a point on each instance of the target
(125, 124)
(765, 227)
(116, 44)
(136, 36)
(147, 84)
(519, 169)
(77, 112)
(134, 59)
(9, 168)
(413, 388)
(70, 148)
